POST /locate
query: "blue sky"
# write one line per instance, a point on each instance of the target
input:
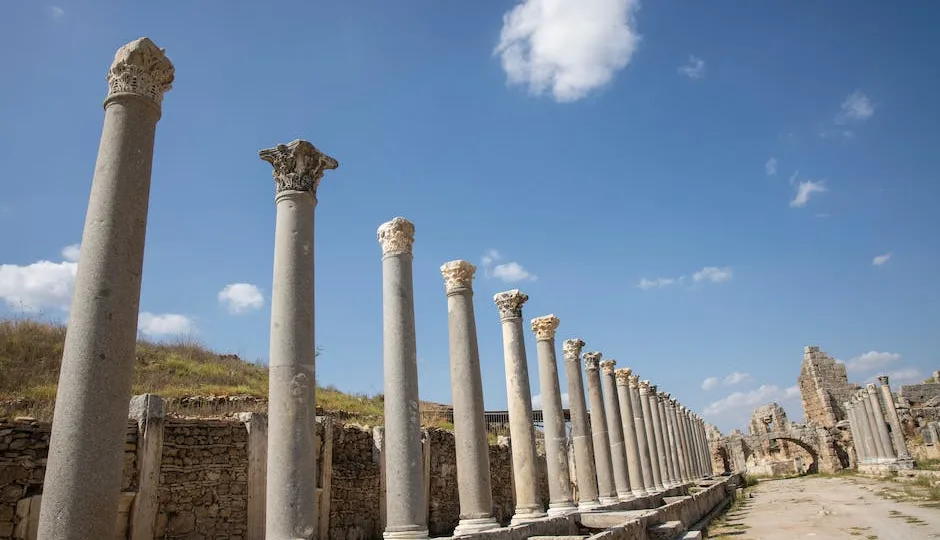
(697, 189)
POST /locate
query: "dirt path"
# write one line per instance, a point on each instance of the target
(826, 507)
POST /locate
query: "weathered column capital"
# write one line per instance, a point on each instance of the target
(653, 389)
(458, 276)
(608, 366)
(592, 361)
(545, 326)
(623, 376)
(870, 387)
(141, 68)
(664, 396)
(298, 166)
(396, 237)
(634, 381)
(572, 349)
(883, 380)
(644, 387)
(510, 303)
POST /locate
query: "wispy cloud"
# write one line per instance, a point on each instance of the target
(805, 189)
(508, 272)
(872, 360)
(166, 324)
(537, 401)
(735, 409)
(856, 107)
(567, 47)
(241, 297)
(770, 168)
(712, 274)
(56, 12)
(711, 383)
(694, 68)
(655, 283)
(881, 259)
(734, 378)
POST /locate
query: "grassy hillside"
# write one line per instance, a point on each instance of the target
(31, 353)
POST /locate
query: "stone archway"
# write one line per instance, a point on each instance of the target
(813, 467)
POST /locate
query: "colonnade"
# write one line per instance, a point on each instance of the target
(634, 441)
(875, 425)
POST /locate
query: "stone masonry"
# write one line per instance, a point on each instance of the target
(824, 386)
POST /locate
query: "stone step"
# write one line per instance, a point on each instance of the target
(668, 530)
(670, 500)
(606, 520)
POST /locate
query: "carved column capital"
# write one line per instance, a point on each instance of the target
(644, 387)
(883, 380)
(458, 276)
(572, 349)
(141, 68)
(608, 366)
(298, 166)
(870, 388)
(653, 389)
(545, 326)
(510, 303)
(592, 361)
(634, 381)
(396, 236)
(623, 376)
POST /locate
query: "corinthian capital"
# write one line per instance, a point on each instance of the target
(572, 349)
(634, 381)
(607, 366)
(298, 166)
(623, 376)
(653, 389)
(458, 276)
(396, 236)
(644, 387)
(510, 303)
(141, 68)
(592, 361)
(870, 387)
(883, 380)
(545, 326)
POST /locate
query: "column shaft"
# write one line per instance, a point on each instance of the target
(861, 412)
(642, 440)
(472, 449)
(855, 431)
(677, 441)
(685, 461)
(580, 429)
(670, 441)
(522, 437)
(607, 490)
(660, 440)
(406, 503)
(618, 449)
(893, 419)
(629, 432)
(880, 424)
(872, 425)
(651, 435)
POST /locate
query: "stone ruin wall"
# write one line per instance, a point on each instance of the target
(824, 386)
(205, 482)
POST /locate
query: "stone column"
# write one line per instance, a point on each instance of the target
(292, 470)
(872, 425)
(690, 441)
(861, 413)
(670, 438)
(580, 429)
(556, 447)
(528, 505)
(854, 430)
(651, 435)
(681, 468)
(892, 413)
(632, 451)
(642, 439)
(406, 505)
(667, 464)
(618, 450)
(148, 411)
(703, 442)
(602, 460)
(699, 452)
(83, 473)
(880, 424)
(472, 449)
(658, 436)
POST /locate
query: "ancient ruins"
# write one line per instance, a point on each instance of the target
(637, 461)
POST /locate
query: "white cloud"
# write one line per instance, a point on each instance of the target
(713, 274)
(872, 360)
(735, 409)
(905, 376)
(71, 253)
(655, 283)
(771, 167)
(569, 47)
(509, 272)
(710, 383)
(695, 69)
(804, 190)
(165, 324)
(856, 107)
(56, 12)
(241, 297)
(736, 378)
(881, 259)
(537, 401)
(40, 285)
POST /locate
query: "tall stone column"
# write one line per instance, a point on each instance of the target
(642, 438)
(528, 505)
(880, 424)
(681, 467)
(892, 413)
(665, 450)
(658, 437)
(699, 444)
(618, 450)
(854, 429)
(670, 439)
(406, 503)
(872, 425)
(651, 435)
(556, 440)
(690, 439)
(605, 470)
(83, 473)
(632, 451)
(472, 449)
(290, 511)
(861, 413)
(580, 429)
(703, 441)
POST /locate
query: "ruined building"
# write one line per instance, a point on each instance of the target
(824, 386)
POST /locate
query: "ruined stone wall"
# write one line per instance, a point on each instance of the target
(824, 386)
(501, 481)
(356, 486)
(919, 394)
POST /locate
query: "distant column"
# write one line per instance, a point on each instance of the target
(580, 429)
(854, 430)
(528, 505)
(892, 413)
(605, 469)
(629, 432)
(650, 422)
(861, 413)
(686, 420)
(658, 436)
(880, 424)
(553, 417)
(683, 472)
(618, 450)
(703, 441)
(472, 449)
(642, 438)
(670, 439)
(83, 472)
(665, 452)
(872, 424)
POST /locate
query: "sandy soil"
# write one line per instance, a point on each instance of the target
(826, 507)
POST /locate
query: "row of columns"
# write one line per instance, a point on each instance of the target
(875, 425)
